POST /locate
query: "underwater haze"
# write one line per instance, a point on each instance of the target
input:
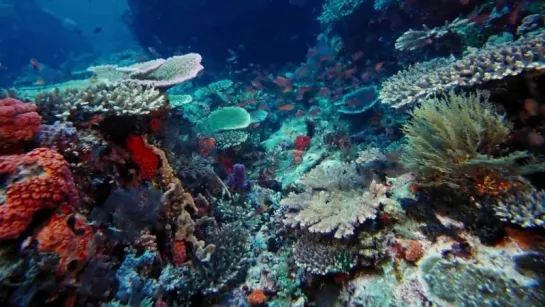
(281, 153)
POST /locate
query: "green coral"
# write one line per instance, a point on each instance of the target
(461, 283)
(228, 118)
(454, 138)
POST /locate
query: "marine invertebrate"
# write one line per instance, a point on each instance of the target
(257, 297)
(334, 10)
(228, 118)
(103, 99)
(158, 73)
(454, 140)
(237, 179)
(133, 281)
(460, 282)
(526, 210)
(413, 39)
(339, 204)
(302, 142)
(131, 211)
(358, 101)
(414, 251)
(321, 256)
(18, 121)
(40, 179)
(67, 235)
(489, 63)
(230, 138)
(143, 155)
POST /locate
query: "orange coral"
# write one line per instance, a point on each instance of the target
(179, 252)
(18, 121)
(40, 179)
(67, 235)
(143, 155)
(414, 251)
(257, 297)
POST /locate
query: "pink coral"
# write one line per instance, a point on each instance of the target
(18, 121)
(414, 251)
(40, 179)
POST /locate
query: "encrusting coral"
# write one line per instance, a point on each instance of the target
(40, 179)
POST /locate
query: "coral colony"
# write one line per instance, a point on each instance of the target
(399, 162)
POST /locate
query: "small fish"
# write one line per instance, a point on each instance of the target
(281, 81)
(356, 56)
(93, 79)
(97, 30)
(39, 81)
(378, 66)
(286, 107)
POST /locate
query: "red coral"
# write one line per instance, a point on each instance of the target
(18, 121)
(414, 251)
(257, 297)
(143, 155)
(40, 179)
(302, 142)
(67, 235)
(179, 252)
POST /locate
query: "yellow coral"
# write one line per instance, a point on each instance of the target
(455, 137)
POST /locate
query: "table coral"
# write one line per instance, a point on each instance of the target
(18, 121)
(40, 179)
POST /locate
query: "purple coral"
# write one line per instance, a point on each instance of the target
(237, 181)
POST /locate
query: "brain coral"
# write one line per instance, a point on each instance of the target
(40, 179)
(18, 121)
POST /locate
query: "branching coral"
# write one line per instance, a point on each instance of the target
(413, 39)
(454, 140)
(322, 257)
(99, 99)
(527, 210)
(40, 179)
(338, 202)
(489, 63)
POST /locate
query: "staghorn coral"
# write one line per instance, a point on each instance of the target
(18, 121)
(229, 260)
(462, 283)
(489, 63)
(454, 140)
(321, 257)
(526, 210)
(99, 99)
(158, 73)
(338, 203)
(40, 179)
(133, 280)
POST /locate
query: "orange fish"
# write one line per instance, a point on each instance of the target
(300, 113)
(303, 90)
(281, 81)
(39, 81)
(286, 107)
(378, 66)
(314, 111)
(356, 56)
(324, 58)
(312, 52)
(287, 89)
